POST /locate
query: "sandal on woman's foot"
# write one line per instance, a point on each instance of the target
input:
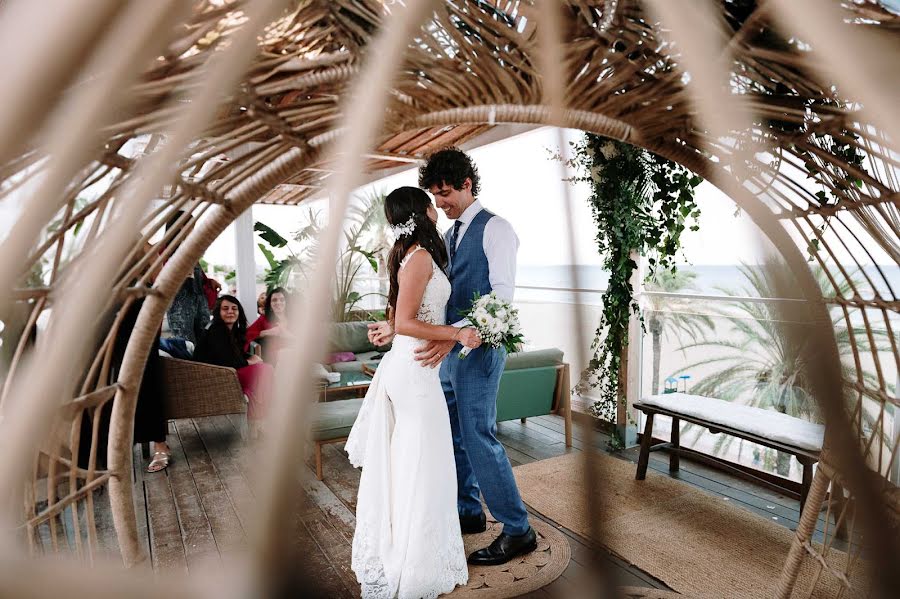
(159, 462)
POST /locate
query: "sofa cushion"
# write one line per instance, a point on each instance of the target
(535, 358)
(371, 359)
(341, 356)
(349, 336)
(767, 424)
(334, 419)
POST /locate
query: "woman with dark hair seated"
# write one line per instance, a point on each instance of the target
(271, 329)
(223, 345)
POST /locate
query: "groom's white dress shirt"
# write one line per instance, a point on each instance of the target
(500, 245)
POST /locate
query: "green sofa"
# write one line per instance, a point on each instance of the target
(353, 337)
(533, 383)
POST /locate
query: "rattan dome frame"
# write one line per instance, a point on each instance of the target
(216, 104)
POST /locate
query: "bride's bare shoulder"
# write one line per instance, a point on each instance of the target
(413, 254)
(416, 261)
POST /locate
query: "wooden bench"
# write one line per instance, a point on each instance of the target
(771, 429)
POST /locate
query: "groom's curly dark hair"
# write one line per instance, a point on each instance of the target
(450, 166)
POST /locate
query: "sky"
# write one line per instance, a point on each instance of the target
(520, 182)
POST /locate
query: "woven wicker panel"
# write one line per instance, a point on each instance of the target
(193, 390)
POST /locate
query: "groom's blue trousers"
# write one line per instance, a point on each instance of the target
(470, 386)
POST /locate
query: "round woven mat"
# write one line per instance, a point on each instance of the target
(523, 574)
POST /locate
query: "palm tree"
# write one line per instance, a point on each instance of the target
(669, 316)
(760, 358)
(367, 223)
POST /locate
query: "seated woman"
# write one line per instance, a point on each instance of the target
(223, 345)
(271, 329)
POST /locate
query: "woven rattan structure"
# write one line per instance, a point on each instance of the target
(120, 114)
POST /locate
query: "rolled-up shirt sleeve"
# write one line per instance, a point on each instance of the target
(500, 247)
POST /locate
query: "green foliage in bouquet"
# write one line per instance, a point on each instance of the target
(642, 202)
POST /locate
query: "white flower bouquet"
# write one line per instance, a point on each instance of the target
(496, 321)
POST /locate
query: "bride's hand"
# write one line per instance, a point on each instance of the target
(380, 333)
(469, 337)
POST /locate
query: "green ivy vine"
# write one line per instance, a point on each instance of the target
(640, 201)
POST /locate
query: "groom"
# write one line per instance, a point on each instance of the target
(482, 249)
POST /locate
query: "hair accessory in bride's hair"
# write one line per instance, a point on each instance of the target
(404, 229)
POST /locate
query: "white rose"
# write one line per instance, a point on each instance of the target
(595, 172)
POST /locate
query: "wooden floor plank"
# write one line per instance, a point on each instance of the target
(333, 530)
(317, 568)
(516, 457)
(223, 520)
(222, 444)
(533, 431)
(162, 521)
(324, 498)
(528, 446)
(340, 476)
(200, 545)
(107, 542)
(336, 549)
(555, 425)
(139, 498)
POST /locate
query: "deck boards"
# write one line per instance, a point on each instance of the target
(196, 511)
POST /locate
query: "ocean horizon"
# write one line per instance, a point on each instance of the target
(712, 279)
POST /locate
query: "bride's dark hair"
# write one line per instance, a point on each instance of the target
(399, 206)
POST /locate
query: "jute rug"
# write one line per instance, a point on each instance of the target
(520, 576)
(699, 545)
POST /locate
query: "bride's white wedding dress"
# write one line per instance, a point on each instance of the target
(407, 542)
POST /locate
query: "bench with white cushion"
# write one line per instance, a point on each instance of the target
(772, 429)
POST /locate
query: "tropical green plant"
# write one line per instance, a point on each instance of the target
(670, 317)
(758, 359)
(640, 202)
(280, 270)
(365, 242)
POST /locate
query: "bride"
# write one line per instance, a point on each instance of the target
(407, 541)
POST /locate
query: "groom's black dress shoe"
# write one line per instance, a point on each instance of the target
(504, 548)
(473, 524)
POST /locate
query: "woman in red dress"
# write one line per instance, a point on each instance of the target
(271, 329)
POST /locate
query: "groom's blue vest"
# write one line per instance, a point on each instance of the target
(469, 272)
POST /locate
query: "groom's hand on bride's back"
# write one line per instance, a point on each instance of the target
(434, 351)
(380, 333)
